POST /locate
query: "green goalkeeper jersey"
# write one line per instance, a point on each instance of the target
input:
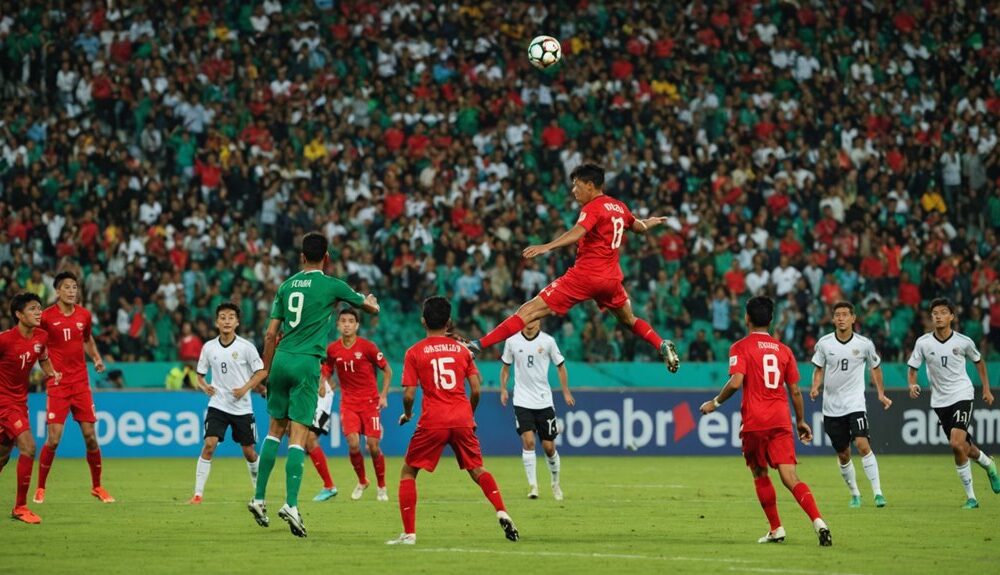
(304, 304)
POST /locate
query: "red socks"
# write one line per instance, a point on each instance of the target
(806, 500)
(509, 327)
(358, 461)
(768, 500)
(319, 460)
(94, 461)
(491, 491)
(24, 466)
(646, 332)
(45, 464)
(379, 464)
(408, 504)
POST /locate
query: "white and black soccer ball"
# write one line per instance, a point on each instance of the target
(544, 51)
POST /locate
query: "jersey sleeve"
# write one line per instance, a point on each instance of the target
(278, 307)
(819, 356)
(629, 217)
(972, 352)
(873, 358)
(791, 368)
(588, 217)
(737, 364)
(508, 354)
(472, 369)
(256, 363)
(203, 361)
(376, 356)
(410, 372)
(554, 354)
(343, 292)
(917, 357)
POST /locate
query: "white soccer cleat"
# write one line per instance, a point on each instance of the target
(532, 492)
(259, 512)
(293, 519)
(359, 490)
(403, 539)
(557, 492)
(382, 494)
(776, 536)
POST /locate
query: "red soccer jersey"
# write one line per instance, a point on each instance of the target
(440, 365)
(18, 355)
(355, 367)
(606, 221)
(67, 333)
(767, 365)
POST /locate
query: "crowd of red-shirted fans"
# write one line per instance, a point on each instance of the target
(171, 152)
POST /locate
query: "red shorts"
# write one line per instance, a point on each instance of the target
(80, 402)
(364, 421)
(426, 446)
(14, 421)
(575, 287)
(768, 447)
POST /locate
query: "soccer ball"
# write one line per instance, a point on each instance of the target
(544, 51)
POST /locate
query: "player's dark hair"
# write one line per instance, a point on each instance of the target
(314, 247)
(588, 172)
(760, 309)
(63, 276)
(21, 301)
(230, 306)
(350, 311)
(437, 312)
(844, 304)
(943, 301)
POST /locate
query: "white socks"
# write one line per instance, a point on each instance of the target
(965, 474)
(530, 466)
(850, 477)
(553, 466)
(252, 466)
(984, 460)
(201, 475)
(871, 470)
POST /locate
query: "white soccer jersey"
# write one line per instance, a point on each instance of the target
(844, 364)
(531, 358)
(325, 403)
(232, 367)
(945, 360)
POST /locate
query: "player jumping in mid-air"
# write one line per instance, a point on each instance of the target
(70, 340)
(596, 275)
(301, 314)
(944, 350)
(530, 351)
(840, 359)
(320, 427)
(763, 366)
(236, 370)
(354, 359)
(20, 347)
(440, 366)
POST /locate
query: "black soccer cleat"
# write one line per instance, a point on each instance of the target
(509, 531)
(825, 539)
(668, 352)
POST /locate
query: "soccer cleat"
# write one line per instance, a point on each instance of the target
(102, 494)
(403, 539)
(24, 514)
(326, 494)
(880, 500)
(509, 531)
(382, 494)
(557, 492)
(971, 503)
(825, 539)
(668, 351)
(294, 520)
(991, 470)
(259, 512)
(532, 492)
(776, 536)
(855, 502)
(473, 346)
(359, 490)
(196, 500)
(39, 495)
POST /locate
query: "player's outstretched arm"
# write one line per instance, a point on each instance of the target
(732, 386)
(271, 343)
(564, 384)
(911, 381)
(817, 382)
(475, 384)
(567, 239)
(643, 226)
(370, 305)
(409, 395)
(877, 379)
(985, 379)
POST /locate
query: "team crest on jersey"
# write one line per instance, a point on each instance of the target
(18, 424)
(956, 351)
(235, 355)
(540, 350)
(38, 348)
(856, 352)
(79, 326)
(357, 355)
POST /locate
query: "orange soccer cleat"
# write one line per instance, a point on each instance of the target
(196, 500)
(102, 494)
(39, 495)
(24, 514)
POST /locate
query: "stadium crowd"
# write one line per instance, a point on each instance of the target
(171, 152)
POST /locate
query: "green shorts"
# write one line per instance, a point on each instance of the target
(293, 387)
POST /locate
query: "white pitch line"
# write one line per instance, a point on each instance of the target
(587, 555)
(648, 485)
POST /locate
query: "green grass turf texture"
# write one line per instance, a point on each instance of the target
(623, 514)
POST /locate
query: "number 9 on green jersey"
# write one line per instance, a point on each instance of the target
(304, 304)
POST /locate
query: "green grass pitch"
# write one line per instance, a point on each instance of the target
(624, 514)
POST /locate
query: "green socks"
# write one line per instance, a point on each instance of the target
(293, 474)
(268, 454)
